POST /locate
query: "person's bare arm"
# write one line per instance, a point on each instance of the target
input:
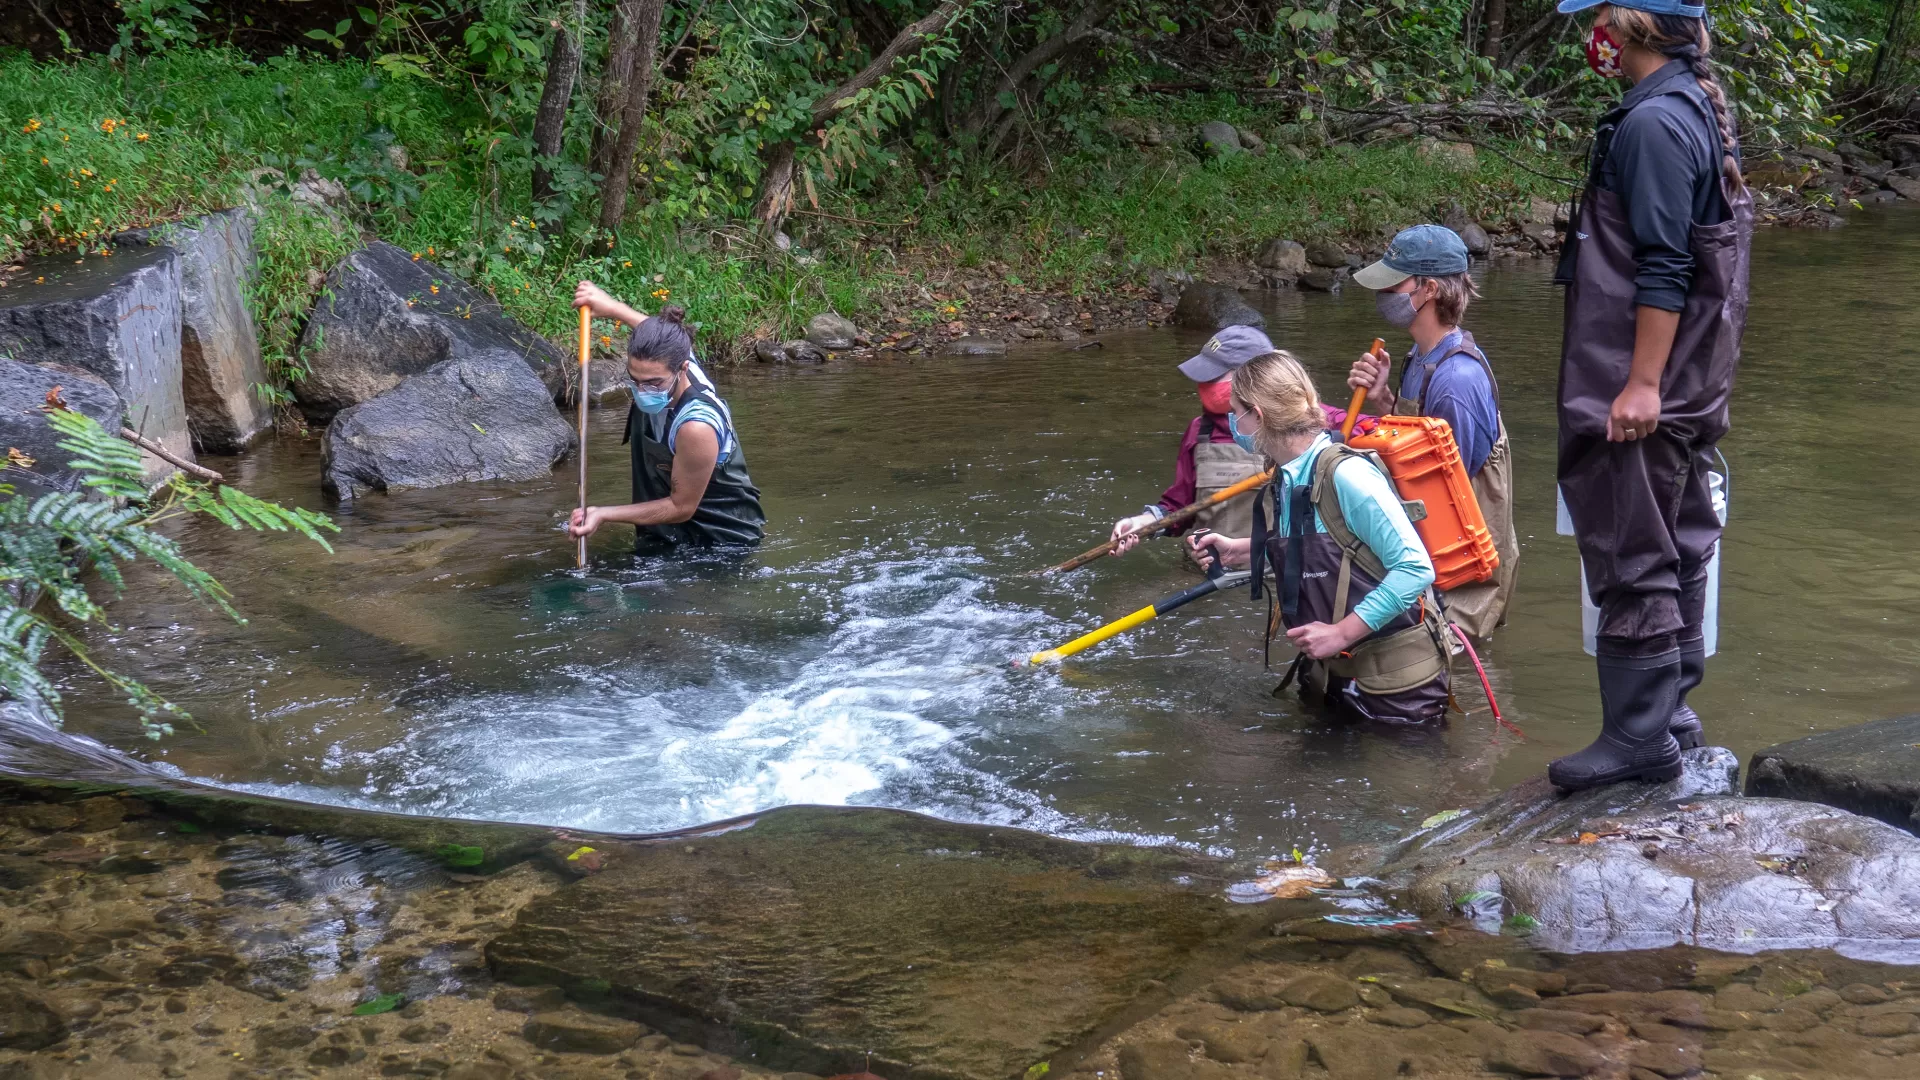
(604, 306)
(1636, 412)
(695, 454)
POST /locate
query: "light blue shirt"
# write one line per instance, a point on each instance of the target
(1373, 511)
(720, 420)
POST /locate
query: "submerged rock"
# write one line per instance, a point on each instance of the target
(1205, 305)
(1643, 866)
(480, 418)
(23, 426)
(575, 1032)
(1871, 769)
(809, 937)
(975, 346)
(391, 316)
(117, 317)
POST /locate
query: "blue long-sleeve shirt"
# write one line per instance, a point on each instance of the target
(1373, 511)
(1461, 394)
(1660, 154)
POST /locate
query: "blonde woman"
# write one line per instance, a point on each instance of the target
(1353, 580)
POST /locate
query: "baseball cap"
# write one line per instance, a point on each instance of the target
(1657, 7)
(1225, 352)
(1422, 251)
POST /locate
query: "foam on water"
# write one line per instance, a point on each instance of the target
(891, 708)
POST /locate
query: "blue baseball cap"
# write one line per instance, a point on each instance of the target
(1226, 352)
(1657, 7)
(1422, 251)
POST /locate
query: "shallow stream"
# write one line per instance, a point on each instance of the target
(447, 661)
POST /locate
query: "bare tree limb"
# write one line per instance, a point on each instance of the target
(169, 457)
(991, 106)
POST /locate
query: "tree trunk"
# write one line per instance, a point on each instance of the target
(1496, 22)
(613, 84)
(1886, 59)
(777, 157)
(550, 123)
(645, 29)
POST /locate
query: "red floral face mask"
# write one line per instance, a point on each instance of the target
(1217, 396)
(1603, 53)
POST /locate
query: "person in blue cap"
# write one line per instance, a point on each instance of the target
(1656, 273)
(1421, 285)
(1209, 460)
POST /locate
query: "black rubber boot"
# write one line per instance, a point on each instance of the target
(1636, 703)
(1685, 726)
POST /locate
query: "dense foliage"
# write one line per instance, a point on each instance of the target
(878, 134)
(58, 549)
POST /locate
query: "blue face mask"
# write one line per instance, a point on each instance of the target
(1244, 442)
(649, 401)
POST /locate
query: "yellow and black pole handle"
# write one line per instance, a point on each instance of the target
(1217, 579)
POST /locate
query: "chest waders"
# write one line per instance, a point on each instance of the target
(1481, 607)
(1400, 673)
(1642, 510)
(729, 511)
(1218, 466)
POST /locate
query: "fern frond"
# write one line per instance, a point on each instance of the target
(23, 637)
(107, 463)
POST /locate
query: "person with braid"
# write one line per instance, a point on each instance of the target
(1656, 272)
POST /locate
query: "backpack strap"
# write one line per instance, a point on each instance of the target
(1326, 503)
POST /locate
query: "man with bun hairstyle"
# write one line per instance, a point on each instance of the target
(690, 482)
(1656, 273)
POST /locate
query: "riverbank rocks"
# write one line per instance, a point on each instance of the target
(832, 332)
(476, 418)
(1204, 305)
(116, 316)
(1323, 279)
(1644, 866)
(975, 346)
(1326, 253)
(220, 363)
(391, 315)
(41, 466)
(1872, 769)
(797, 351)
(808, 937)
(1281, 262)
(1219, 138)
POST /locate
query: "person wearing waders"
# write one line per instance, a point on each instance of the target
(1421, 285)
(690, 482)
(1354, 580)
(1656, 272)
(1209, 460)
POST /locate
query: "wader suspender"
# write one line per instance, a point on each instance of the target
(1471, 348)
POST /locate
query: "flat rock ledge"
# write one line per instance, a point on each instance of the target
(1872, 769)
(1647, 866)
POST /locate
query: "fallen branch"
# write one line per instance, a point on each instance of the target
(167, 456)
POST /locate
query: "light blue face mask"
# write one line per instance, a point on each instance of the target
(1244, 442)
(649, 401)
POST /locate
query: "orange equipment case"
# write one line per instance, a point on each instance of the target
(1425, 464)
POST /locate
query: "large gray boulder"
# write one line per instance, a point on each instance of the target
(1205, 305)
(471, 418)
(1636, 866)
(832, 332)
(1220, 138)
(1871, 769)
(23, 426)
(386, 316)
(116, 316)
(220, 364)
(1281, 261)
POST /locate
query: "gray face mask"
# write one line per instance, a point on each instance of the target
(1396, 308)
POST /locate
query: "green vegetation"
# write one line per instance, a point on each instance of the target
(883, 137)
(52, 545)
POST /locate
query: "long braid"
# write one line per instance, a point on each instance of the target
(1696, 59)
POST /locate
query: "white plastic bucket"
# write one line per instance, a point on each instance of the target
(1590, 612)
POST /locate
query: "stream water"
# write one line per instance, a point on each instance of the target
(446, 661)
